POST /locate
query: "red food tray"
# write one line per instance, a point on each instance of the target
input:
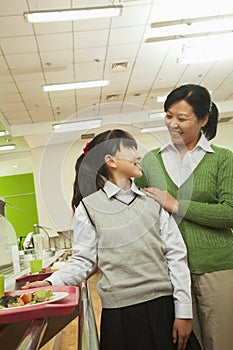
(62, 306)
(33, 277)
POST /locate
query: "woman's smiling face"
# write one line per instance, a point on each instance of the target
(183, 125)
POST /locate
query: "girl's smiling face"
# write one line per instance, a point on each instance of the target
(123, 166)
(183, 125)
(128, 162)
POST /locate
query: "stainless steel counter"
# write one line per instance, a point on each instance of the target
(10, 276)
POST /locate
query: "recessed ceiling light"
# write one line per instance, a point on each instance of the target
(154, 129)
(190, 27)
(156, 115)
(7, 147)
(73, 14)
(4, 133)
(77, 125)
(76, 85)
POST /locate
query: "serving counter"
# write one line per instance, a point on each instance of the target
(30, 327)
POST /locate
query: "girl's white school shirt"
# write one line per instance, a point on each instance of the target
(84, 257)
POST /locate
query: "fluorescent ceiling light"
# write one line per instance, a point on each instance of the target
(154, 129)
(73, 14)
(156, 115)
(161, 98)
(77, 125)
(4, 133)
(191, 27)
(207, 51)
(7, 147)
(77, 85)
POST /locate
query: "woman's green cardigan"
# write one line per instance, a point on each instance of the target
(205, 214)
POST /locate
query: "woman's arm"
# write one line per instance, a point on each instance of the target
(218, 214)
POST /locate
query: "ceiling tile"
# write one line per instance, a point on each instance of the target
(18, 117)
(126, 35)
(65, 113)
(89, 71)
(3, 65)
(63, 76)
(41, 115)
(56, 58)
(12, 7)
(55, 42)
(19, 45)
(30, 86)
(10, 98)
(25, 74)
(90, 54)
(132, 15)
(55, 27)
(36, 100)
(64, 98)
(122, 52)
(5, 76)
(7, 88)
(92, 24)
(27, 60)
(14, 26)
(11, 107)
(91, 38)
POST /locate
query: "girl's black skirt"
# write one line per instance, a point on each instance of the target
(144, 326)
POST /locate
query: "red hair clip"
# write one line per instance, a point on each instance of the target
(86, 148)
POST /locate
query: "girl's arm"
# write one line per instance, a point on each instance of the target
(176, 255)
(84, 256)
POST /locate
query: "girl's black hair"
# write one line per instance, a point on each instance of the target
(91, 171)
(199, 98)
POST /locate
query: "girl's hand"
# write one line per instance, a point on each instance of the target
(181, 332)
(164, 198)
(36, 284)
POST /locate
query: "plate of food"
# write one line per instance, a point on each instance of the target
(29, 299)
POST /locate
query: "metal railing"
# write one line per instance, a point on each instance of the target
(87, 330)
(32, 337)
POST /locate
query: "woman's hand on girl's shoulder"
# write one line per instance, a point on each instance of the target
(164, 198)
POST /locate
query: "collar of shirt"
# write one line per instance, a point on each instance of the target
(113, 190)
(202, 143)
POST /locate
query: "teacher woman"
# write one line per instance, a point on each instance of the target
(193, 179)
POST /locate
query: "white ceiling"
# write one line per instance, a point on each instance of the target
(34, 55)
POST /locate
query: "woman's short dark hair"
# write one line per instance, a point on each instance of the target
(199, 98)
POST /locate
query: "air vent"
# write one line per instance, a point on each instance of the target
(112, 97)
(225, 120)
(118, 66)
(87, 136)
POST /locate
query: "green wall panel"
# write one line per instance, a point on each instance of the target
(19, 192)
